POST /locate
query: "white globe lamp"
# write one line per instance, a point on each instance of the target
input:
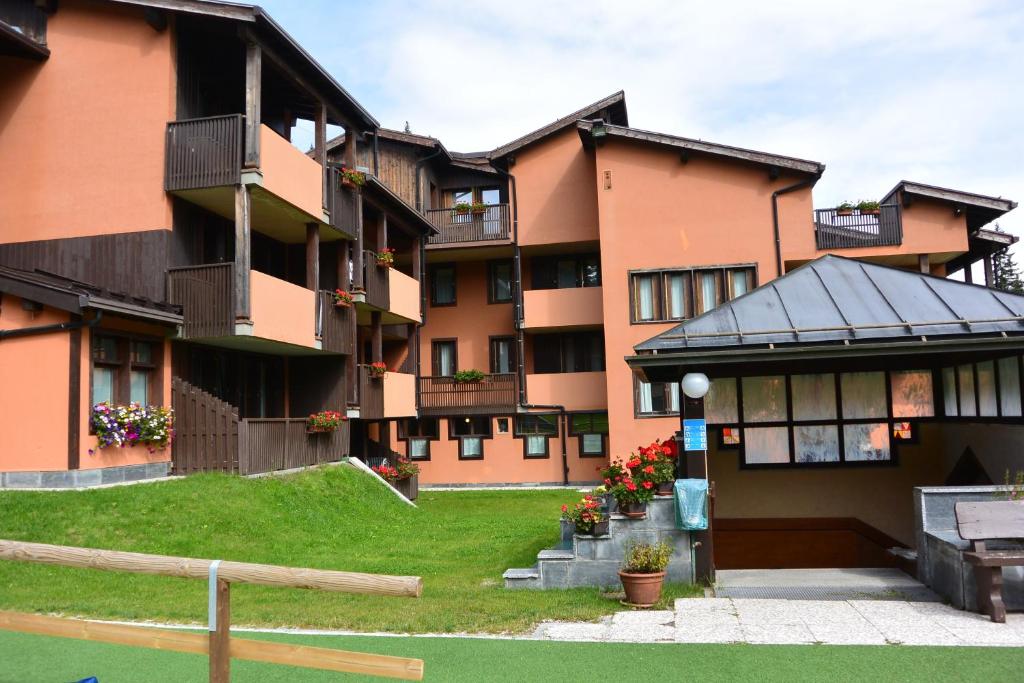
(695, 384)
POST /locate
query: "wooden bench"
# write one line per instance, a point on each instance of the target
(991, 521)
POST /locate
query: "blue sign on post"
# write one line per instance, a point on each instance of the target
(695, 435)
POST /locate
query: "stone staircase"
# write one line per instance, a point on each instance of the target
(595, 560)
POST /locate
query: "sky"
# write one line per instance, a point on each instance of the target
(923, 90)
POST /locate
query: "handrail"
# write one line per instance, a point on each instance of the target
(489, 224)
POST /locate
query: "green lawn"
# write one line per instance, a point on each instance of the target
(451, 660)
(332, 518)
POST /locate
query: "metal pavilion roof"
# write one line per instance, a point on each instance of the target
(839, 300)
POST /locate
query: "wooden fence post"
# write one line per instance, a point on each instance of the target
(220, 635)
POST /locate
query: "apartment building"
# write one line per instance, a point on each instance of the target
(165, 244)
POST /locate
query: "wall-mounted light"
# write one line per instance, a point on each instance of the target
(695, 384)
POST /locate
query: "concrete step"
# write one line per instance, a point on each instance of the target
(555, 554)
(520, 579)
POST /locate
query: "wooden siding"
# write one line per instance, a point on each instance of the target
(270, 444)
(496, 394)
(337, 326)
(205, 431)
(133, 263)
(206, 295)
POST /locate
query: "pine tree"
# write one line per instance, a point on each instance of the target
(407, 128)
(1005, 272)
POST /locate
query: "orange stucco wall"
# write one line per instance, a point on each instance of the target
(660, 213)
(290, 174)
(404, 295)
(82, 140)
(472, 320)
(560, 308)
(556, 192)
(399, 395)
(112, 456)
(281, 310)
(574, 390)
(33, 391)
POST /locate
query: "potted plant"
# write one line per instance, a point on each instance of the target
(323, 422)
(643, 573)
(845, 209)
(462, 208)
(658, 465)
(342, 299)
(469, 376)
(404, 477)
(386, 257)
(586, 517)
(125, 426)
(632, 497)
(612, 475)
(351, 178)
(377, 370)
(868, 207)
(478, 208)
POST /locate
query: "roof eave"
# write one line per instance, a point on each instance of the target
(407, 213)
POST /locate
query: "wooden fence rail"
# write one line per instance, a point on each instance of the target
(218, 644)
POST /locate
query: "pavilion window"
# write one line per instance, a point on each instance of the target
(965, 376)
(720, 404)
(816, 443)
(766, 445)
(866, 442)
(814, 397)
(912, 393)
(764, 399)
(949, 392)
(863, 395)
(987, 401)
(986, 389)
(1009, 386)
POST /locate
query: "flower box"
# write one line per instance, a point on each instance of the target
(377, 370)
(324, 422)
(342, 299)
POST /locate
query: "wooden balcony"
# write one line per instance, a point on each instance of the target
(203, 153)
(343, 204)
(337, 326)
(371, 395)
(835, 230)
(496, 394)
(464, 229)
(382, 398)
(376, 282)
(207, 296)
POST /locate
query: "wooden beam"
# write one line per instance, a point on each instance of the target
(189, 568)
(313, 256)
(344, 260)
(382, 231)
(197, 643)
(243, 210)
(351, 146)
(358, 257)
(923, 264)
(320, 145)
(376, 338)
(968, 275)
(75, 395)
(253, 90)
(990, 278)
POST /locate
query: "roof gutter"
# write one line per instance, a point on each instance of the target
(775, 216)
(46, 329)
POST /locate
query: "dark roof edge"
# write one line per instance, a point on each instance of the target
(950, 195)
(398, 136)
(542, 132)
(410, 215)
(753, 156)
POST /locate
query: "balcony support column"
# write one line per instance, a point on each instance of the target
(312, 256)
(351, 149)
(923, 264)
(243, 207)
(968, 275)
(990, 279)
(344, 257)
(357, 259)
(320, 145)
(417, 263)
(382, 231)
(376, 338)
(253, 86)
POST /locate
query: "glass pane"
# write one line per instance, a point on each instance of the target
(1009, 386)
(490, 195)
(418, 448)
(566, 273)
(462, 196)
(591, 270)
(863, 395)
(764, 399)
(140, 387)
(502, 356)
(592, 443)
(142, 352)
(673, 397)
(644, 396)
(502, 285)
(102, 385)
(444, 285)
(814, 397)
(912, 394)
(677, 296)
(105, 348)
(472, 446)
(720, 405)
(816, 443)
(987, 389)
(709, 294)
(949, 391)
(739, 282)
(766, 445)
(967, 404)
(866, 442)
(446, 359)
(645, 297)
(536, 445)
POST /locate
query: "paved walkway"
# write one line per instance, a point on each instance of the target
(821, 584)
(790, 622)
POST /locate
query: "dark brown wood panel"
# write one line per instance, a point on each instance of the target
(206, 431)
(376, 282)
(270, 444)
(371, 395)
(445, 396)
(206, 296)
(337, 326)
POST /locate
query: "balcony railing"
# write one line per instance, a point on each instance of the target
(343, 204)
(371, 395)
(444, 396)
(26, 17)
(489, 225)
(203, 152)
(207, 296)
(846, 230)
(375, 282)
(337, 326)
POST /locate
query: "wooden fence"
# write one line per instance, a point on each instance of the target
(206, 295)
(835, 230)
(453, 227)
(205, 431)
(204, 152)
(440, 395)
(218, 643)
(375, 282)
(337, 326)
(270, 444)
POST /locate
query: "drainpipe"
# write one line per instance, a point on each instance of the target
(376, 153)
(56, 327)
(775, 216)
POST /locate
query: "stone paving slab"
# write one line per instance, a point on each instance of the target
(778, 622)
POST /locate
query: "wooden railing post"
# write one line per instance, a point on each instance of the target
(220, 635)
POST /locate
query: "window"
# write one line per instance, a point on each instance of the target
(912, 394)
(444, 360)
(424, 427)
(764, 399)
(417, 448)
(442, 284)
(499, 282)
(503, 358)
(569, 352)
(460, 197)
(656, 398)
(986, 389)
(678, 294)
(720, 405)
(471, 432)
(562, 272)
(502, 425)
(535, 431)
(592, 431)
(125, 370)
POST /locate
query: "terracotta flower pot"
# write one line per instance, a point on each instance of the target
(870, 212)
(634, 510)
(342, 304)
(642, 590)
(844, 212)
(345, 182)
(665, 488)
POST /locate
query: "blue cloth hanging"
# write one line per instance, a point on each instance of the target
(691, 499)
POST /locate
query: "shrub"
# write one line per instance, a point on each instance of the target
(467, 376)
(324, 421)
(867, 205)
(645, 558)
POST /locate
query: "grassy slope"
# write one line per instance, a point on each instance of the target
(333, 518)
(453, 660)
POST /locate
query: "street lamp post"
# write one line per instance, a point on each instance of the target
(692, 463)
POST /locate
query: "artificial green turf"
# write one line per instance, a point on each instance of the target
(331, 518)
(32, 658)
